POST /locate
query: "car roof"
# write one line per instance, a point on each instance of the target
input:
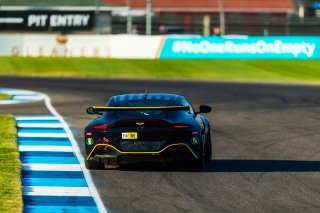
(149, 96)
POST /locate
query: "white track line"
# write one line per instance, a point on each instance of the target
(45, 148)
(27, 98)
(41, 135)
(39, 125)
(76, 149)
(55, 191)
(19, 92)
(10, 101)
(20, 96)
(36, 118)
(51, 167)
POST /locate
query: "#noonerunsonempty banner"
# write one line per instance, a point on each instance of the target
(242, 47)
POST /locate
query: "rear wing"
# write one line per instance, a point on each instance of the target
(99, 109)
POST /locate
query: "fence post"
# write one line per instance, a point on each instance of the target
(222, 18)
(148, 17)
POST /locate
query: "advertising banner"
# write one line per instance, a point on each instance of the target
(100, 46)
(154, 47)
(46, 20)
(241, 47)
(65, 46)
(11, 45)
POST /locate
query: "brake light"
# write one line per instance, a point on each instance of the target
(180, 126)
(88, 133)
(100, 127)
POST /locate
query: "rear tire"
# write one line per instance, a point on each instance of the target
(198, 164)
(208, 149)
(94, 165)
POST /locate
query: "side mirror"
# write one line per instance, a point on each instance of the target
(204, 109)
(90, 111)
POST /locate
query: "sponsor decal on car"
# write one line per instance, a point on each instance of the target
(90, 141)
(194, 140)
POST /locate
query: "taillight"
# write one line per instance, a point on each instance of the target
(180, 126)
(100, 127)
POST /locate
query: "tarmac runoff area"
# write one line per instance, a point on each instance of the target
(53, 177)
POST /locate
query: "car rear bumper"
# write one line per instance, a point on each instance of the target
(113, 156)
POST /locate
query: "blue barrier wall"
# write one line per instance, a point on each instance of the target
(241, 47)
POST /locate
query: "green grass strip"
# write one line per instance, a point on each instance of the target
(4, 96)
(10, 167)
(230, 70)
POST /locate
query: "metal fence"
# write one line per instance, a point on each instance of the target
(115, 21)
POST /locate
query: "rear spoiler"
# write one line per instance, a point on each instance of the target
(99, 109)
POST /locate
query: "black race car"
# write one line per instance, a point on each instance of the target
(147, 127)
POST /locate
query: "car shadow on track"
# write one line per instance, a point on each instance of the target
(231, 165)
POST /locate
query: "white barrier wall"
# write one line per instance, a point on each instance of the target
(103, 46)
(10, 45)
(162, 47)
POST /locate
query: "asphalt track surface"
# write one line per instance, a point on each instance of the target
(266, 153)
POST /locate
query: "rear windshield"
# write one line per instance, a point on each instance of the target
(141, 103)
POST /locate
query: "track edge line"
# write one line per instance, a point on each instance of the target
(92, 189)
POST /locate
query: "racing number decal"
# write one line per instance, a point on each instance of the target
(129, 135)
